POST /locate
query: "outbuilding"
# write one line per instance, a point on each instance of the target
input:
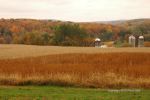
(97, 42)
(141, 41)
(132, 40)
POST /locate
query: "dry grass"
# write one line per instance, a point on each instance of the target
(147, 44)
(103, 70)
(109, 44)
(21, 51)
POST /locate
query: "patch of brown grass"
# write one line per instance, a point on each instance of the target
(147, 44)
(104, 70)
(21, 51)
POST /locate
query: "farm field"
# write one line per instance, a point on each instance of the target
(78, 67)
(73, 73)
(68, 93)
(9, 51)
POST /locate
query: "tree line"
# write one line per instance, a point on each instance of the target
(49, 32)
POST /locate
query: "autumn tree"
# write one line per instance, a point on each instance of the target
(69, 34)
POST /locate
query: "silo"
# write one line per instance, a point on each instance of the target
(97, 42)
(141, 41)
(132, 40)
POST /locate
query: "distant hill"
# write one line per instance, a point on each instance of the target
(34, 31)
(121, 22)
(112, 22)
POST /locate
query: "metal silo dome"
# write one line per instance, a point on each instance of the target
(141, 37)
(98, 39)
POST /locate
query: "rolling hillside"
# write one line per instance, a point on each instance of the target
(43, 32)
(120, 22)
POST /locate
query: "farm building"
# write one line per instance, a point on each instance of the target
(136, 41)
(141, 41)
(97, 42)
(132, 40)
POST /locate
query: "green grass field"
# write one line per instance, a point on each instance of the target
(63, 93)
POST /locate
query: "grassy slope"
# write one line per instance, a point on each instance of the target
(61, 93)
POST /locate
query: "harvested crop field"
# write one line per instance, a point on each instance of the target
(80, 67)
(21, 51)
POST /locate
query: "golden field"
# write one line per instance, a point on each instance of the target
(11, 51)
(75, 66)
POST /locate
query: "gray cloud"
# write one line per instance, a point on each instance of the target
(75, 10)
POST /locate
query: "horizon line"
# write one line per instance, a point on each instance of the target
(78, 21)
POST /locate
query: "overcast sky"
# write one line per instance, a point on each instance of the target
(75, 10)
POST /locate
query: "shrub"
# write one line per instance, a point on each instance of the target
(126, 45)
